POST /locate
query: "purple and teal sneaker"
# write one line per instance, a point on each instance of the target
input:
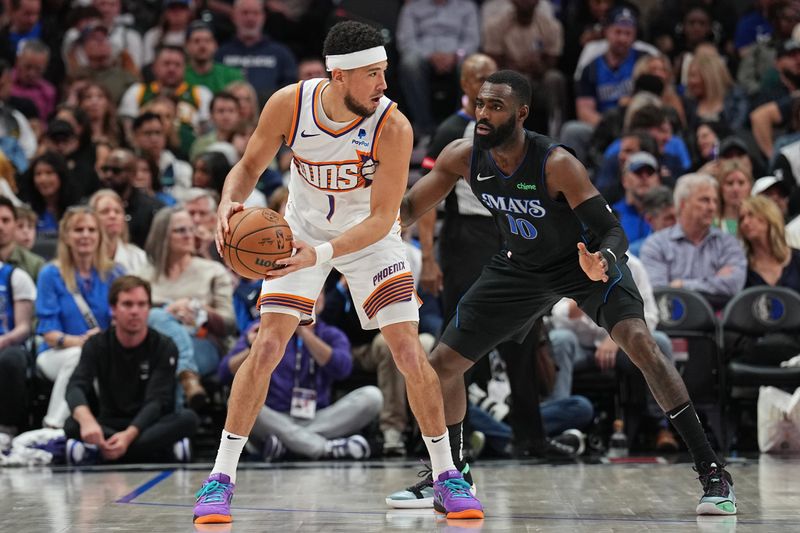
(213, 505)
(452, 497)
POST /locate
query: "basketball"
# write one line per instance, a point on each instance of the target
(258, 237)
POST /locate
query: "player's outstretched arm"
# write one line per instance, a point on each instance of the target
(566, 175)
(273, 127)
(432, 188)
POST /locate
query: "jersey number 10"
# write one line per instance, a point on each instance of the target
(522, 227)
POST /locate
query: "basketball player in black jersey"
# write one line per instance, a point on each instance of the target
(560, 240)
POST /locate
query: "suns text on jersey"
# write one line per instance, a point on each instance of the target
(337, 176)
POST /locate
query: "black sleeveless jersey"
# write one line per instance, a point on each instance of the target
(540, 233)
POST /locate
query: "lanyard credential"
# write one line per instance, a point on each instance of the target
(304, 401)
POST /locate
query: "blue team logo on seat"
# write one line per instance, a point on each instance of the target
(769, 309)
(671, 310)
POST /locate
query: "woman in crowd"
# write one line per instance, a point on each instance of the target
(48, 191)
(147, 179)
(209, 171)
(706, 138)
(735, 182)
(711, 93)
(95, 101)
(72, 302)
(111, 211)
(770, 261)
(189, 292)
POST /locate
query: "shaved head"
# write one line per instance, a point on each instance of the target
(477, 62)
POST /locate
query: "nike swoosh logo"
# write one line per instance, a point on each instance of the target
(437, 440)
(672, 417)
(232, 438)
(306, 135)
(484, 178)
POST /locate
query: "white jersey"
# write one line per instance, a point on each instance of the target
(333, 163)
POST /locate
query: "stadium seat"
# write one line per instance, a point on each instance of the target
(760, 323)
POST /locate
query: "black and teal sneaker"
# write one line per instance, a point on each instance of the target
(420, 495)
(718, 497)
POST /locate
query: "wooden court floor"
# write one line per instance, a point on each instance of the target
(349, 497)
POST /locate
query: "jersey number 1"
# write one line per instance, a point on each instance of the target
(331, 206)
(522, 227)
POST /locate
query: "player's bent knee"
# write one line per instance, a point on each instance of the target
(266, 352)
(410, 359)
(447, 362)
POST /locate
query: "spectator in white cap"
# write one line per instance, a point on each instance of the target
(777, 190)
(639, 176)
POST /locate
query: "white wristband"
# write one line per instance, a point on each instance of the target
(324, 253)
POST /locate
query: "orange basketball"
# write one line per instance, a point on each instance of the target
(258, 237)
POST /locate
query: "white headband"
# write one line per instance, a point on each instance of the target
(359, 59)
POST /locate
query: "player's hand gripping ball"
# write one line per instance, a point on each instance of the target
(258, 237)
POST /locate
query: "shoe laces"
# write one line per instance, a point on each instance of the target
(714, 481)
(212, 492)
(458, 488)
(427, 478)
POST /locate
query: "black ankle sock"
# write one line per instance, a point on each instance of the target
(685, 420)
(456, 434)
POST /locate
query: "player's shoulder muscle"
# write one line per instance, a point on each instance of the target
(395, 136)
(279, 111)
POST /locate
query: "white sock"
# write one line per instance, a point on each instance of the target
(230, 448)
(439, 450)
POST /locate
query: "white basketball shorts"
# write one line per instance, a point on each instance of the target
(379, 278)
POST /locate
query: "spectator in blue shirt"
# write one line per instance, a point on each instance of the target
(753, 27)
(641, 174)
(604, 76)
(72, 302)
(316, 356)
(268, 65)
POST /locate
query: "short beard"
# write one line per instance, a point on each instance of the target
(355, 107)
(499, 136)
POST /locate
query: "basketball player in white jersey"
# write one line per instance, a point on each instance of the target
(351, 151)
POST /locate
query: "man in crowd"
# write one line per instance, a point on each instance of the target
(268, 65)
(150, 140)
(116, 173)
(29, 81)
(433, 37)
(640, 176)
(202, 69)
(192, 100)
(134, 369)
(694, 254)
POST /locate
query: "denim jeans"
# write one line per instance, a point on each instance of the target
(573, 412)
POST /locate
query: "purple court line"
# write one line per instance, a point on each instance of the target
(141, 489)
(492, 518)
